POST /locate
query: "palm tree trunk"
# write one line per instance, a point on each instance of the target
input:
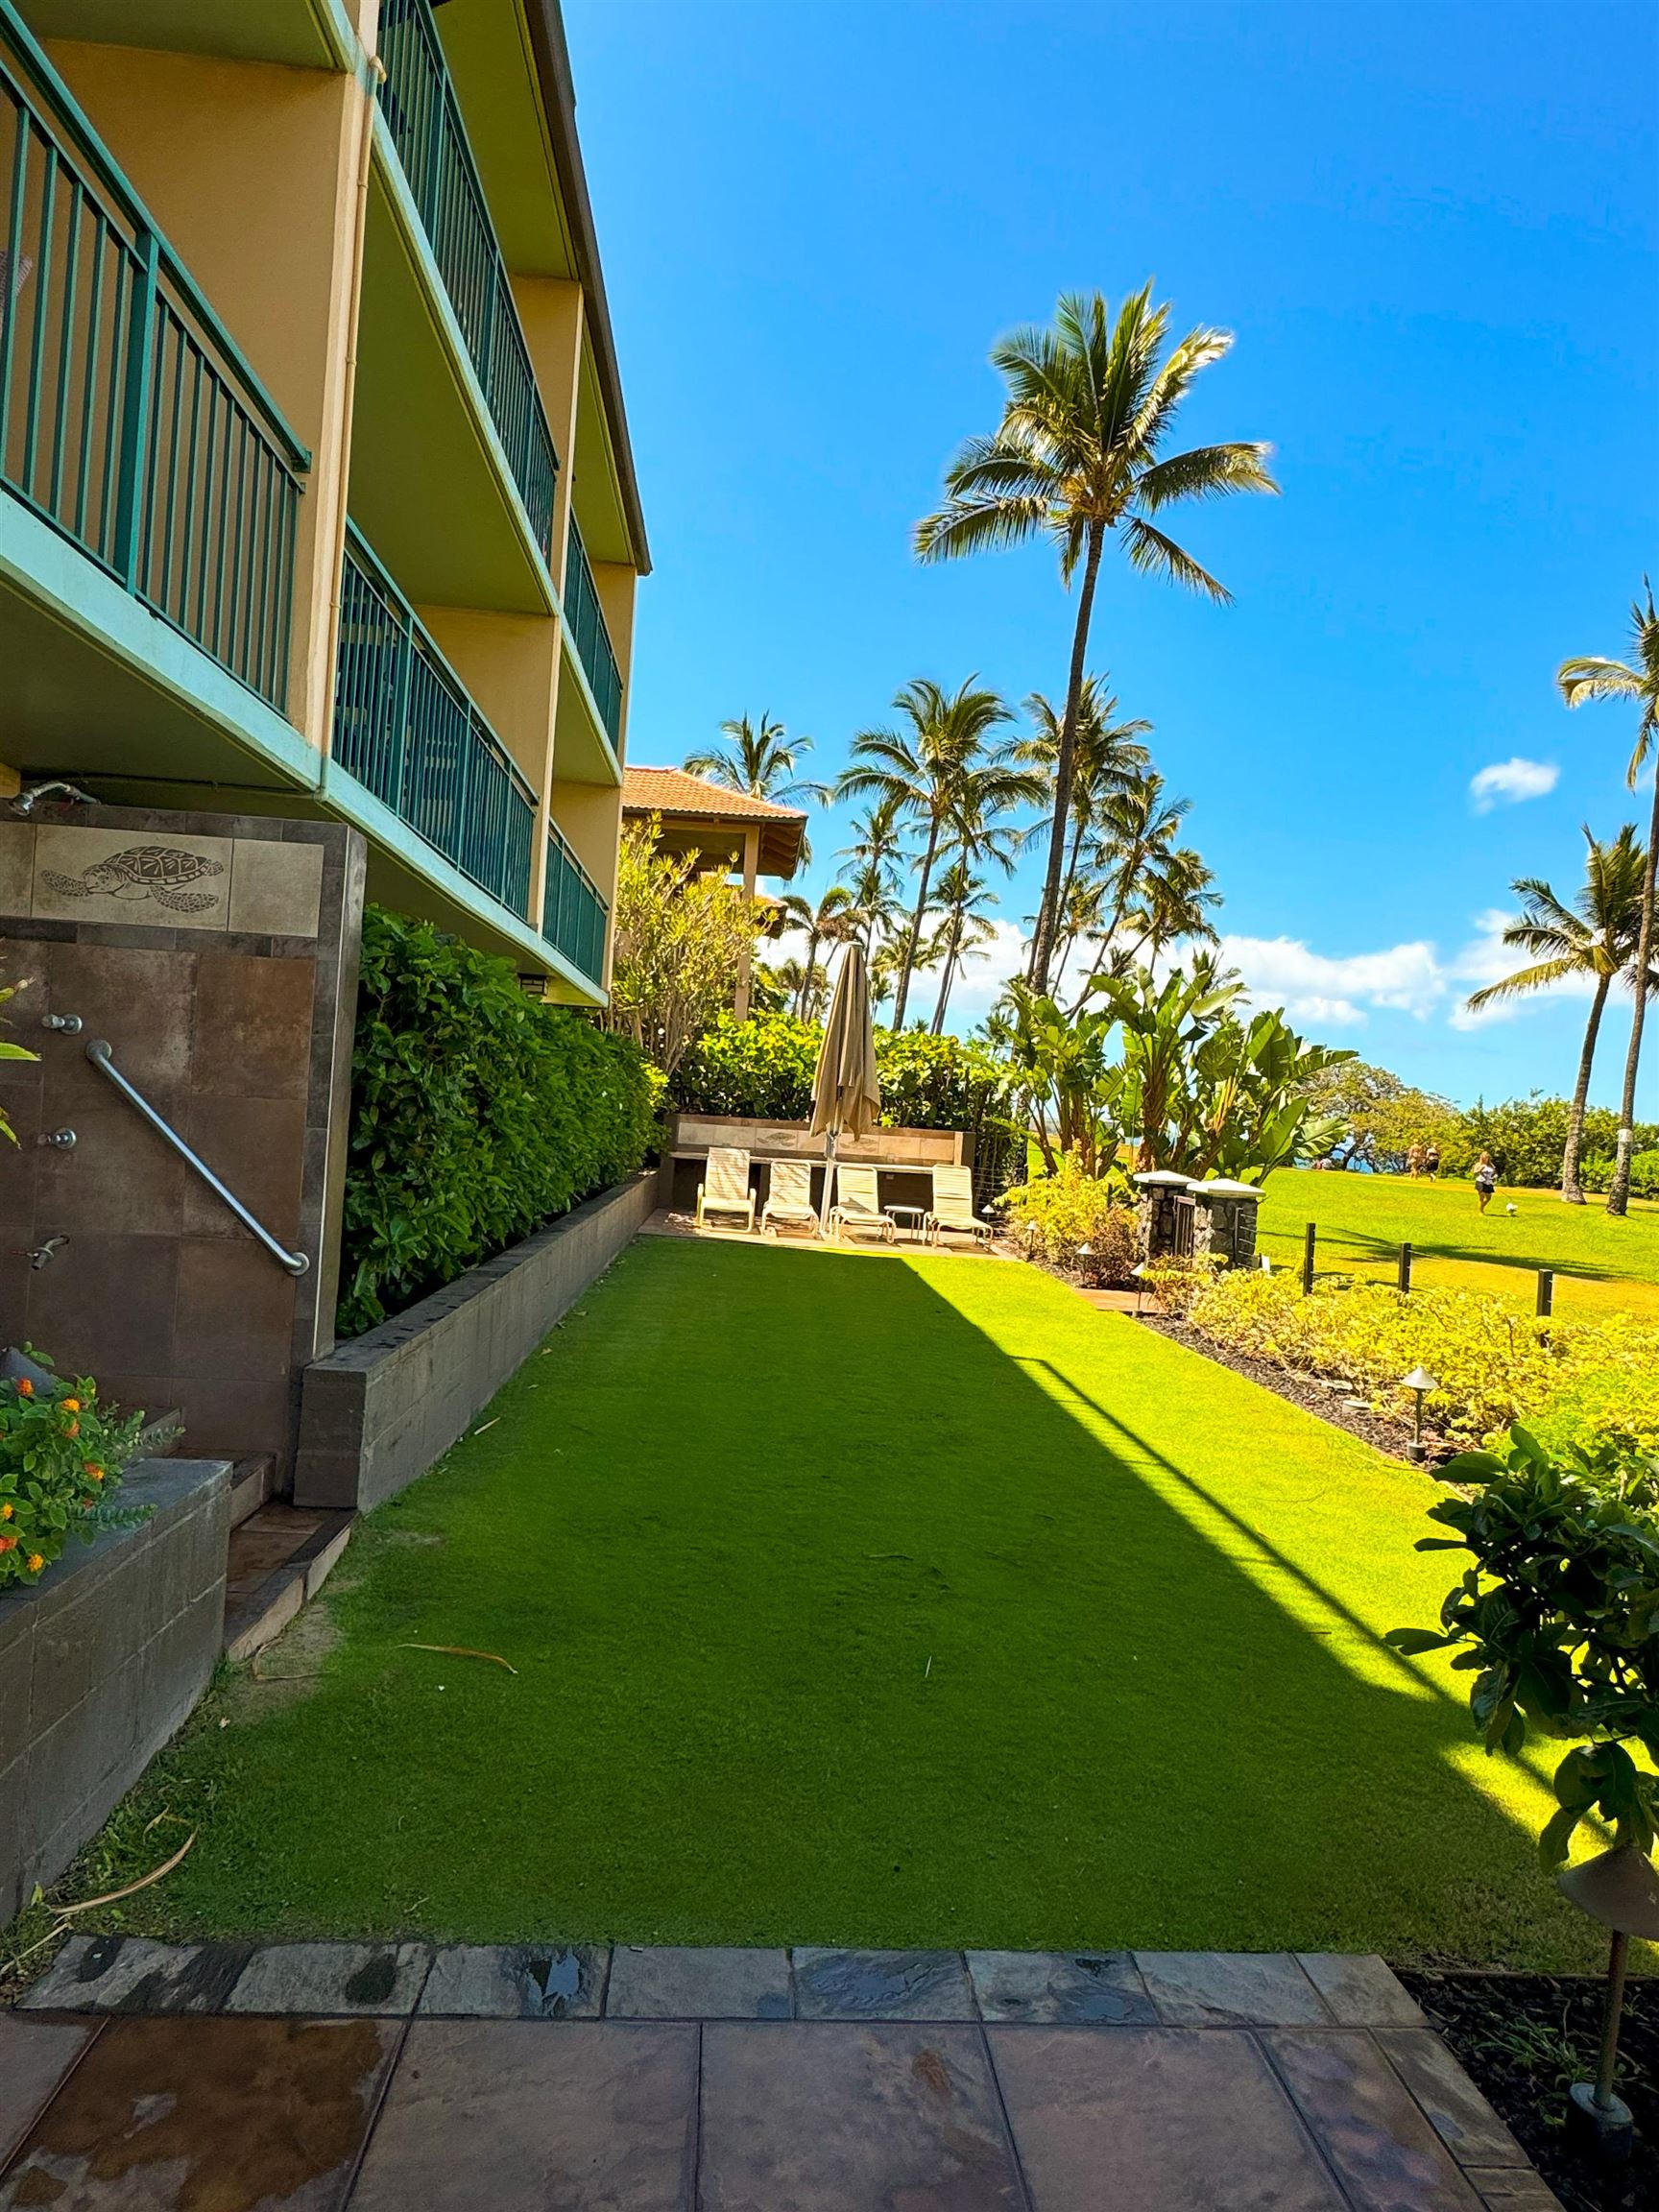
(1064, 767)
(1569, 1189)
(952, 948)
(1619, 1196)
(915, 938)
(804, 997)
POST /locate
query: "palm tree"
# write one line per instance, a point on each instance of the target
(805, 993)
(1107, 757)
(1593, 679)
(1090, 405)
(761, 761)
(1136, 847)
(833, 920)
(966, 901)
(938, 772)
(875, 852)
(1174, 901)
(1596, 936)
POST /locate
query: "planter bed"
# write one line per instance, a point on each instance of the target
(379, 1410)
(101, 1660)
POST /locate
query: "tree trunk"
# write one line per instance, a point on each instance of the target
(804, 997)
(1064, 767)
(951, 950)
(1619, 1196)
(1569, 1189)
(914, 939)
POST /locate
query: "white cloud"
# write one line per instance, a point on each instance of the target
(1486, 959)
(1506, 782)
(1320, 988)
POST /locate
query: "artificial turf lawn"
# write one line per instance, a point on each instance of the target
(855, 1598)
(1603, 1263)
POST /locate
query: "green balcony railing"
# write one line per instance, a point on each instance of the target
(405, 727)
(588, 627)
(573, 915)
(418, 100)
(129, 420)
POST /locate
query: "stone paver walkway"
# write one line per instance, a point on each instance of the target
(311, 2077)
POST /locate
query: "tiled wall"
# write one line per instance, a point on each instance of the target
(217, 956)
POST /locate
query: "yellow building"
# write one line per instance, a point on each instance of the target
(316, 494)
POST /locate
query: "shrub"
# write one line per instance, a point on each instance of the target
(1528, 1136)
(1494, 1366)
(1058, 1216)
(1178, 1285)
(762, 1069)
(61, 1455)
(1555, 1622)
(477, 1114)
(1615, 1406)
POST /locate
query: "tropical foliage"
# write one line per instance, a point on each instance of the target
(11, 1051)
(1635, 680)
(478, 1114)
(1494, 1366)
(762, 1068)
(1555, 1620)
(1380, 1119)
(62, 1458)
(1180, 1072)
(1081, 1225)
(682, 933)
(1596, 938)
(1080, 454)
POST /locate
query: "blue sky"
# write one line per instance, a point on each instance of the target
(1432, 229)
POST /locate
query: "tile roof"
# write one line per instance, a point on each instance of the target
(671, 791)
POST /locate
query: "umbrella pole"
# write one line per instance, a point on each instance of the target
(828, 1183)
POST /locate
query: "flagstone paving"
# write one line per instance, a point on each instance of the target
(316, 2077)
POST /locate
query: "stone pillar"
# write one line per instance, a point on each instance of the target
(1156, 1208)
(1225, 1225)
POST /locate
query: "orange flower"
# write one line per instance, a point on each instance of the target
(25, 1388)
(8, 1543)
(6, 1510)
(96, 1472)
(37, 1560)
(73, 1429)
(71, 1405)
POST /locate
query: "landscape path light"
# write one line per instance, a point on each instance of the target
(1619, 1889)
(1139, 1272)
(1421, 1381)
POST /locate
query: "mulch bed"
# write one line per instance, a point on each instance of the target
(1525, 2039)
(1323, 1399)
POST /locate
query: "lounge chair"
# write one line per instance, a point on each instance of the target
(954, 1207)
(856, 1205)
(725, 1184)
(790, 1196)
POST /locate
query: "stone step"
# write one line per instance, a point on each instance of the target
(280, 1557)
(253, 1484)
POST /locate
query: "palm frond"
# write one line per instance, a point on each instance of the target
(1155, 555)
(1524, 980)
(976, 526)
(1205, 472)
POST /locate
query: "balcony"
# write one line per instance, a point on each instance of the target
(128, 420)
(573, 914)
(592, 638)
(418, 103)
(406, 728)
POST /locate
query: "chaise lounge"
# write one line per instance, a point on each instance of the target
(725, 1184)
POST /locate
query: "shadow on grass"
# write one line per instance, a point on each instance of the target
(833, 1624)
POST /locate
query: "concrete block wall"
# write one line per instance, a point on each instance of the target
(101, 1662)
(376, 1412)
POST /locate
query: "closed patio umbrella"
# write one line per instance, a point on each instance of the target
(846, 1090)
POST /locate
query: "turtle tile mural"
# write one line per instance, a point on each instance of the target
(107, 875)
(159, 872)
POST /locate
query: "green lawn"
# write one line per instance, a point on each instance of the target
(1363, 1219)
(896, 1600)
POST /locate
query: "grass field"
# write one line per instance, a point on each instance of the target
(1601, 1264)
(888, 1599)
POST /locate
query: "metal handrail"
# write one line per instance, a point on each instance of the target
(102, 1057)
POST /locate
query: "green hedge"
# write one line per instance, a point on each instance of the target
(762, 1068)
(477, 1114)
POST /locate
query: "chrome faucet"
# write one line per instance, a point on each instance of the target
(38, 1255)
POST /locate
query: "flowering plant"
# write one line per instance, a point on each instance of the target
(61, 1454)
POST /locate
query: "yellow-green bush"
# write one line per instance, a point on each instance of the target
(1080, 1224)
(1494, 1366)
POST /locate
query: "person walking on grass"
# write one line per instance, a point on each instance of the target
(1485, 1180)
(1414, 1162)
(1432, 1160)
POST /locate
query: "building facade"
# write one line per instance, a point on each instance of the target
(315, 494)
